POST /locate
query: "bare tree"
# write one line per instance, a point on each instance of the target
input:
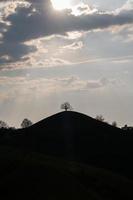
(66, 106)
(3, 124)
(26, 123)
(100, 118)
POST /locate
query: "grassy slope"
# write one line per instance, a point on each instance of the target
(36, 176)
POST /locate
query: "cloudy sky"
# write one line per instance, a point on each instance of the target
(79, 51)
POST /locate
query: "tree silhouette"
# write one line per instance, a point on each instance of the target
(3, 124)
(66, 106)
(114, 124)
(100, 118)
(26, 123)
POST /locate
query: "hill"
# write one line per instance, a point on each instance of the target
(75, 136)
(73, 122)
(66, 156)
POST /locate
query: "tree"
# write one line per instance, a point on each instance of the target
(126, 127)
(114, 124)
(66, 106)
(3, 124)
(26, 123)
(100, 118)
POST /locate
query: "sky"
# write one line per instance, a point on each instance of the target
(80, 51)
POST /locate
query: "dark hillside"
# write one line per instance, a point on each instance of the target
(75, 136)
(66, 156)
(74, 122)
(36, 176)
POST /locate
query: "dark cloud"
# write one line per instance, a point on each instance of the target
(15, 50)
(40, 20)
(30, 24)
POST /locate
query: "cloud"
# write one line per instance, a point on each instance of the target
(12, 87)
(37, 19)
(83, 9)
(74, 46)
(125, 33)
(128, 6)
(97, 84)
(43, 22)
(14, 51)
(51, 62)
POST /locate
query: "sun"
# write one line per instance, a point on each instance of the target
(61, 4)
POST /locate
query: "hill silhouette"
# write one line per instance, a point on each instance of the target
(75, 136)
(68, 155)
(74, 122)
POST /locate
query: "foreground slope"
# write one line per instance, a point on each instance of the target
(36, 176)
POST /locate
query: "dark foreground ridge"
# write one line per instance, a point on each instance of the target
(70, 152)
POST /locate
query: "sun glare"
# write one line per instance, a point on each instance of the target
(61, 4)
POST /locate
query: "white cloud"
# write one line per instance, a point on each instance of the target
(83, 9)
(128, 6)
(74, 46)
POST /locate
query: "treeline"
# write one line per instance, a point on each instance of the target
(128, 129)
(25, 123)
(6, 132)
(101, 118)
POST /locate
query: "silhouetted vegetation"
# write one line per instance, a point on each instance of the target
(100, 118)
(26, 123)
(66, 106)
(114, 124)
(127, 128)
(3, 124)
